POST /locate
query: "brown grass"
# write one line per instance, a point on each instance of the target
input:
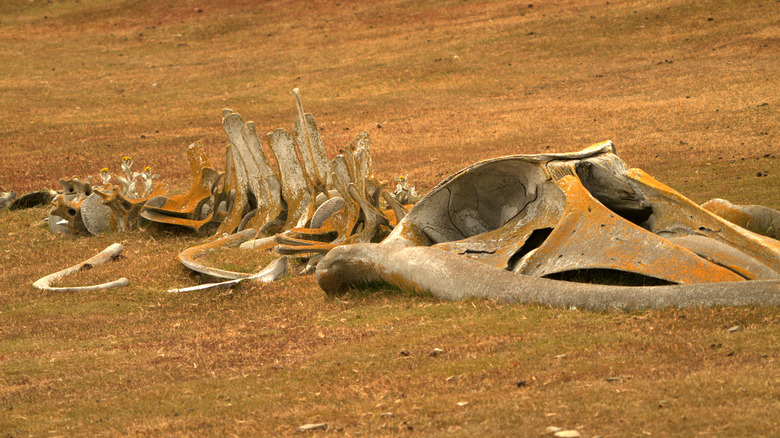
(687, 90)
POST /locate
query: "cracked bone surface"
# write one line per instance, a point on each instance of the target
(312, 204)
(506, 227)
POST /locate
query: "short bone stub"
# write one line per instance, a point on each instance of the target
(498, 227)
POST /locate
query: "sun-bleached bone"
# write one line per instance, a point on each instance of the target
(307, 137)
(107, 254)
(189, 257)
(510, 220)
(296, 190)
(270, 273)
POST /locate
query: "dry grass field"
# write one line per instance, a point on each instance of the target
(688, 91)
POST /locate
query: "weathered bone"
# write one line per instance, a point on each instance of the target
(265, 243)
(247, 170)
(126, 211)
(272, 189)
(187, 206)
(189, 256)
(756, 218)
(270, 273)
(28, 200)
(238, 204)
(296, 190)
(299, 195)
(107, 254)
(97, 217)
(7, 198)
(544, 214)
(326, 210)
(307, 137)
(451, 277)
(68, 206)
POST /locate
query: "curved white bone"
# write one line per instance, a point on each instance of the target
(272, 272)
(189, 256)
(105, 255)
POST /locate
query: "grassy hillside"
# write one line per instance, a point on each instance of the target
(688, 91)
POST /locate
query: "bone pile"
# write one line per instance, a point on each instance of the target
(306, 208)
(83, 209)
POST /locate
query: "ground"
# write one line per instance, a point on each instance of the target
(686, 90)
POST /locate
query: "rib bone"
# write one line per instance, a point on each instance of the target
(107, 254)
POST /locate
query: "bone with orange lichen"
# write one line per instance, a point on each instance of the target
(499, 227)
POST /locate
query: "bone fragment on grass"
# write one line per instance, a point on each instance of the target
(107, 254)
(271, 273)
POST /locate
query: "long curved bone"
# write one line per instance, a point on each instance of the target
(189, 256)
(270, 273)
(451, 277)
(107, 254)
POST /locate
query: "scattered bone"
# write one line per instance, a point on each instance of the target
(28, 200)
(312, 426)
(107, 254)
(7, 198)
(272, 272)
